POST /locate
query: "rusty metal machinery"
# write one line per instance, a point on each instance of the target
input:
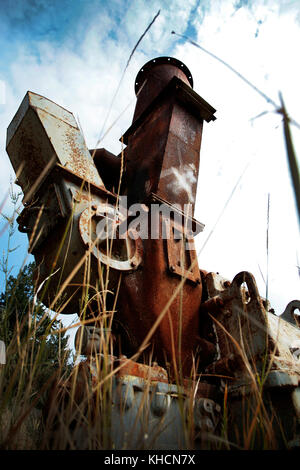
(203, 325)
(64, 196)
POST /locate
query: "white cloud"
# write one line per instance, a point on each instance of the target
(239, 240)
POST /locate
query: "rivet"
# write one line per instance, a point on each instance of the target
(209, 423)
(208, 406)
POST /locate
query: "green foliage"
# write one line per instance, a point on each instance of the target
(36, 346)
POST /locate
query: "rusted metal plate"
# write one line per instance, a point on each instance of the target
(182, 260)
(170, 136)
(149, 140)
(180, 166)
(144, 295)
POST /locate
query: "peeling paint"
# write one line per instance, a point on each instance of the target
(184, 179)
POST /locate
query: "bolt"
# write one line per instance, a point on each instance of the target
(207, 405)
(209, 424)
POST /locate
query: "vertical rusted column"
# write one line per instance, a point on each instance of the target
(162, 163)
(165, 138)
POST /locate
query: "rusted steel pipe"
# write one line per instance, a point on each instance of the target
(162, 163)
(164, 139)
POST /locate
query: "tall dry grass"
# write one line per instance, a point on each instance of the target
(76, 407)
(82, 406)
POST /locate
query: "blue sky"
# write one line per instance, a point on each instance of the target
(74, 52)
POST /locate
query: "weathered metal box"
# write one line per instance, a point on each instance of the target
(43, 133)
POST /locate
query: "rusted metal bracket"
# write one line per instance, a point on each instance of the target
(247, 333)
(123, 254)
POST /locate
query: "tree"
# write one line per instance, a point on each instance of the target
(36, 346)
